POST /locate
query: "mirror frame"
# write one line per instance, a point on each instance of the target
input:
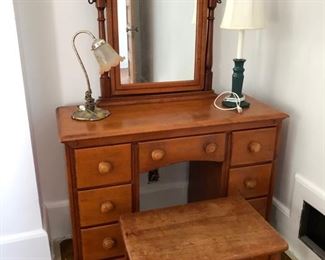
(111, 87)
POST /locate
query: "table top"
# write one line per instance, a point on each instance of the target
(180, 117)
(226, 228)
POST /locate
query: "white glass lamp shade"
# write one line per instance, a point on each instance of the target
(243, 15)
(105, 55)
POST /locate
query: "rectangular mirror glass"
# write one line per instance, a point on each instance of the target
(157, 39)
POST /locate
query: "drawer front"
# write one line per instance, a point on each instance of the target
(104, 205)
(102, 242)
(103, 165)
(261, 258)
(253, 146)
(260, 205)
(161, 153)
(250, 182)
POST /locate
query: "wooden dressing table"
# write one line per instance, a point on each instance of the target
(229, 153)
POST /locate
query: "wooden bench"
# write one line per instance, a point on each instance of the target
(221, 229)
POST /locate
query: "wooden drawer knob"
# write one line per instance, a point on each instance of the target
(250, 183)
(107, 206)
(108, 243)
(211, 148)
(157, 154)
(254, 147)
(104, 167)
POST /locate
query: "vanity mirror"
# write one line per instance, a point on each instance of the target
(167, 46)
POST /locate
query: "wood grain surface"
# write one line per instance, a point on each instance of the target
(93, 242)
(141, 122)
(227, 228)
(251, 181)
(92, 204)
(260, 204)
(253, 146)
(88, 162)
(205, 148)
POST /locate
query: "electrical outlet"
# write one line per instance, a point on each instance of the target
(153, 176)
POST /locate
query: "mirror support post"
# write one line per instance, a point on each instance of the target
(209, 48)
(105, 80)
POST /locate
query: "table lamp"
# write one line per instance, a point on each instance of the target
(241, 15)
(106, 57)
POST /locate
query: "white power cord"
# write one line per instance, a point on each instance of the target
(236, 99)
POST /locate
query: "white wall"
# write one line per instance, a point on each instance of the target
(54, 78)
(285, 68)
(21, 233)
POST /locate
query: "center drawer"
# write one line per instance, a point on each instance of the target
(156, 154)
(104, 205)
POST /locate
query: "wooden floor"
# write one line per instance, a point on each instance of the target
(67, 253)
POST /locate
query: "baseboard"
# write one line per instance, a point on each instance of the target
(281, 207)
(158, 187)
(57, 216)
(280, 220)
(160, 195)
(26, 245)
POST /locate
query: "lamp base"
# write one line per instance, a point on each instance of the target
(237, 86)
(233, 104)
(82, 114)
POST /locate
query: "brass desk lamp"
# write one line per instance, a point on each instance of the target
(106, 57)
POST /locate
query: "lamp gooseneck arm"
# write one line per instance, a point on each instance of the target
(78, 56)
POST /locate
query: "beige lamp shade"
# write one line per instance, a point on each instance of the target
(243, 15)
(105, 55)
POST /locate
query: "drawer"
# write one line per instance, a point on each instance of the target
(260, 205)
(156, 154)
(103, 165)
(253, 146)
(104, 205)
(250, 182)
(261, 258)
(102, 242)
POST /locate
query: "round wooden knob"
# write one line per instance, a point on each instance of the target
(108, 243)
(107, 206)
(254, 147)
(211, 148)
(157, 154)
(104, 167)
(250, 183)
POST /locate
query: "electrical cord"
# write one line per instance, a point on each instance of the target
(235, 97)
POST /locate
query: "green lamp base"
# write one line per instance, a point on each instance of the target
(229, 104)
(237, 86)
